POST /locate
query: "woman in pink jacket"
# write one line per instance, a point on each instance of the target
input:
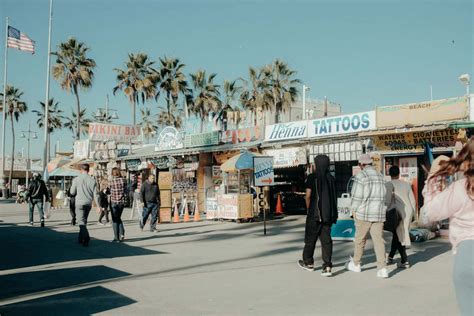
(456, 202)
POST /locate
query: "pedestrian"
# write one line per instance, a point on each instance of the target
(37, 194)
(132, 186)
(456, 202)
(150, 194)
(104, 196)
(118, 196)
(84, 188)
(72, 206)
(368, 205)
(403, 200)
(321, 205)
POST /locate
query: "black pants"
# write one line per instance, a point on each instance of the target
(83, 213)
(117, 224)
(104, 212)
(396, 245)
(72, 210)
(315, 229)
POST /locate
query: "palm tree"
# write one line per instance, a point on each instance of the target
(74, 70)
(172, 82)
(232, 91)
(138, 80)
(148, 127)
(279, 79)
(14, 108)
(71, 122)
(172, 118)
(206, 95)
(55, 118)
(255, 96)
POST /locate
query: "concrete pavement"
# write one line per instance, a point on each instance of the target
(205, 268)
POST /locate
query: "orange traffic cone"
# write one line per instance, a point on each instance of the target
(197, 216)
(186, 213)
(279, 208)
(176, 213)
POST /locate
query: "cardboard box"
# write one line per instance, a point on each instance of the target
(165, 196)
(165, 214)
(165, 180)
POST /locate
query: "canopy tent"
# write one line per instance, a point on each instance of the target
(241, 161)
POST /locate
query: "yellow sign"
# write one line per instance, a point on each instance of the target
(416, 140)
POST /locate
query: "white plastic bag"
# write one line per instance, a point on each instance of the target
(60, 195)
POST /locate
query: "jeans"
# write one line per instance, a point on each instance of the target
(82, 212)
(104, 212)
(153, 209)
(396, 245)
(313, 230)
(376, 232)
(463, 276)
(39, 203)
(117, 224)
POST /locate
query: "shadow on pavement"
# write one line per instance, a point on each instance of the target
(18, 284)
(24, 246)
(82, 302)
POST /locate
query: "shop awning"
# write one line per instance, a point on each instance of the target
(396, 130)
(64, 172)
(462, 124)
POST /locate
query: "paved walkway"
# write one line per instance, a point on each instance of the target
(205, 268)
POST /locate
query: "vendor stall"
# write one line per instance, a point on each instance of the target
(236, 202)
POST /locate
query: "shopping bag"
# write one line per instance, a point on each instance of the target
(344, 229)
(60, 195)
(47, 210)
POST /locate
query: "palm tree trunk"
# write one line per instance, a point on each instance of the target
(134, 105)
(13, 155)
(78, 123)
(168, 101)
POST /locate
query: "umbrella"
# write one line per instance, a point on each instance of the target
(238, 162)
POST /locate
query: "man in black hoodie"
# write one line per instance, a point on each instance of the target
(37, 191)
(321, 204)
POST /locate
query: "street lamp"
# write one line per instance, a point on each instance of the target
(465, 80)
(28, 134)
(304, 101)
(102, 114)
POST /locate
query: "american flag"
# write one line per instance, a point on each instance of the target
(20, 41)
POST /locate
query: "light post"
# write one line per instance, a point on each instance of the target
(102, 114)
(28, 134)
(465, 80)
(304, 100)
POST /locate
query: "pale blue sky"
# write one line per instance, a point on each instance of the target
(357, 53)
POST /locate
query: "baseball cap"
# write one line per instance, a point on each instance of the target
(365, 159)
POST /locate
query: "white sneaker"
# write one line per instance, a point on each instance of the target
(382, 273)
(352, 267)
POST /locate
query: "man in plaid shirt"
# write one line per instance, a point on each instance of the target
(118, 192)
(369, 205)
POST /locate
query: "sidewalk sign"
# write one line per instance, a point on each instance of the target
(263, 176)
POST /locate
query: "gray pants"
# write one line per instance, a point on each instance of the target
(463, 276)
(82, 213)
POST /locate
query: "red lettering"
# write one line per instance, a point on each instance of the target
(127, 130)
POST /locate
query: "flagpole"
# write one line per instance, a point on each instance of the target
(4, 112)
(46, 108)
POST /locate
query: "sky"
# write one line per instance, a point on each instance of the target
(360, 54)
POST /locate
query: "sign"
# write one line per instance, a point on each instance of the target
(409, 173)
(286, 131)
(205, 139)
(169, 138)
(423, 113)
(160, 162)
(107, 132)
(263, 171)
(211, 208)
(343, 124)
(122, 152)
(241, 135)
(133, 165)
(81, 149)
(228, 206)
(287, 157)
(415, 140)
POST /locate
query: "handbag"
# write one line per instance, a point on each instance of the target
(392, 218)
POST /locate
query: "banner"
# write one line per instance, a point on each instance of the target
(344, 124)
(242, 135)
(118, 133)
(287, 157)
(81, 149)
(423, 113)
(286, 131)
(415, 140)
(198, 140)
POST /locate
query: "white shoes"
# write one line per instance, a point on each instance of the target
(352, 267)
(382, 273)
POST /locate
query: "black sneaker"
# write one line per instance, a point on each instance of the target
(404, 265)
(326, 272)
(307, 267)
(42, 224)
